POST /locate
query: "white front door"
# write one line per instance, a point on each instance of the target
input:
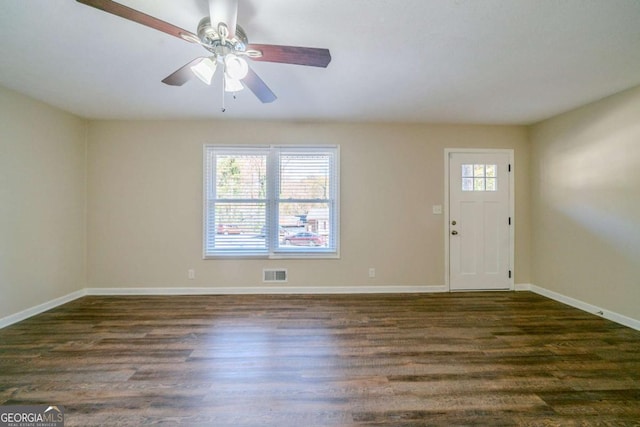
(479, 221)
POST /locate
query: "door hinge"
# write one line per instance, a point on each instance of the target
(509, 274)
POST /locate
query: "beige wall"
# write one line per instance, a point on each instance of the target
(586, 200)
(145, 202)
(42, 203)
(577, 203)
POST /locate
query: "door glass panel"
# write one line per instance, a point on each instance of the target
(478, 184)
(479, 177)
(478, 170)
(467, 184)
(491, 184)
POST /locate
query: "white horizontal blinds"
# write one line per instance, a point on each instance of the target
(271, 201)
(306, 199)
(236, 210)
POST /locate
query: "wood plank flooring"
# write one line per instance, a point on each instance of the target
(490, 359)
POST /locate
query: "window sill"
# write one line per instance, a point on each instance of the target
(283, 256)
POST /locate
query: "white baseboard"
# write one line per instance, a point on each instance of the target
(267, 290)
(32, 311)
(522, 287)
(581, 305)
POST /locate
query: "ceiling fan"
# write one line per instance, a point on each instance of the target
(228, 46)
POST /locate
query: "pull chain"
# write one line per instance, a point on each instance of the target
(223, 107)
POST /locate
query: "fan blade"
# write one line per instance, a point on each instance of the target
(141, 18)
(182, 74)
(311, 56)
(259, 87)
(226, 12)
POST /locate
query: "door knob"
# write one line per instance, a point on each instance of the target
(454, 232)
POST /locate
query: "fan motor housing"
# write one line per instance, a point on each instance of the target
(215, 42)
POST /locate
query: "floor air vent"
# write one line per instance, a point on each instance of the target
(279, 275)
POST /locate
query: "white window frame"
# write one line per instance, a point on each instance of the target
(273, 250)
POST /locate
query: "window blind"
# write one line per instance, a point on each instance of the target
(271, 201)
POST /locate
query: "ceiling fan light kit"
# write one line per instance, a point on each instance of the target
(229, 45)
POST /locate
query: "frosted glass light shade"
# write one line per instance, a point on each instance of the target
(231, 84)
(235, 67)
(204, 70)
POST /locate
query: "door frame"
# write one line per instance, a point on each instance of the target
(512, 211)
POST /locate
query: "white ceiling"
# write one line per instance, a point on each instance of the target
(454, 61)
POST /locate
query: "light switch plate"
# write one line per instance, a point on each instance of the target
(437, 209)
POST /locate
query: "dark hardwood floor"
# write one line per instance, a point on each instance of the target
(490, 359)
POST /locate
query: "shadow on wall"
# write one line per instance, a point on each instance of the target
(596, 183)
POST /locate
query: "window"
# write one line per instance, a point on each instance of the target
(277, 201)
(479, 177)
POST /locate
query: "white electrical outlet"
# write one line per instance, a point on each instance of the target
(191, 273)
(437, 209)
(372, 272)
